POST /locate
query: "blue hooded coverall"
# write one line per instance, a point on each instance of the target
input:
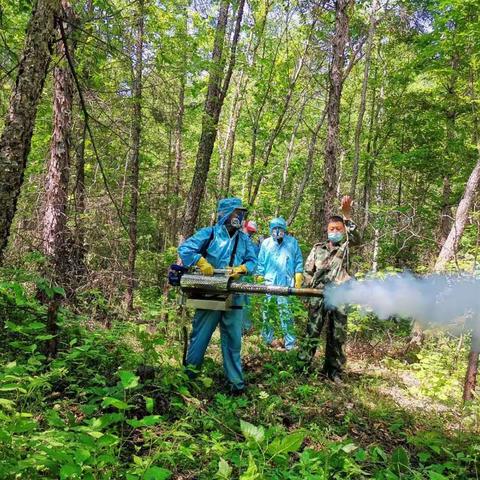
(278, 264)
(247, 308)
(205, 321)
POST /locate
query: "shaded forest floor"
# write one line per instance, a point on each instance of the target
(116, 404)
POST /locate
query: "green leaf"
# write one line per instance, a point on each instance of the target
(107, 440)
(157, 473)
(252, 471)
(149, 404)
(400, 459)
(7, 404)
(224, 469)
(251, 432)
(290, 443)
(70, 471)
(147, 421)
(436, 476)
(128, 379)
(115, 402)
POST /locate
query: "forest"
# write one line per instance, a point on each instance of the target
(140, 139)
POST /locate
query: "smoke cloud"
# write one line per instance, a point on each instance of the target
(433, 300)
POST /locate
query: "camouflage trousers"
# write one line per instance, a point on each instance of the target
(336, 325)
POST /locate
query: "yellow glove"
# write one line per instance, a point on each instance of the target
(298, 280)
(237, 272)
(205, 267)
(259, 279)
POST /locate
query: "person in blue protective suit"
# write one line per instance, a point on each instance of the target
(280, 262)
(222, 246)
(250, 228)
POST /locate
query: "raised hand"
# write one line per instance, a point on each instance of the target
(347, 206)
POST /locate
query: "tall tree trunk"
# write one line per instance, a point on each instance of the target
(281, 118)
(79, 246)
(178, 134)
(217, 89)
(58, 168)
(135, 156)
(288, 158)
(363, 97)
(450, 246)
(178, 167)
(446, 212)
(336, 77)
(16, 137)
(308, 168)
(229, 143)
(54, 233)
(450, 120)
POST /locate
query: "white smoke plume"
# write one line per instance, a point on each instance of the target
(433, 300)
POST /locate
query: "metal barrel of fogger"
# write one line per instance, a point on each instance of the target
(223, 284)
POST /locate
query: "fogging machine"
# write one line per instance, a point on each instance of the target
(216, 292)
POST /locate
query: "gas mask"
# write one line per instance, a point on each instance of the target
(237, 220)
(336, 237)
(278, 234)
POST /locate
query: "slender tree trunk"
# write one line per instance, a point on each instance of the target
(288, 158)
(178, 139)
(446, 212)
(229, 143)
(135, 155)
(450, 120)
(79, 248)
(450, 246)
(336, 77)
(363, 97)
(178, 136)
(471, 375)
(16, 137)
(280, 120)
(217, 90)
(308, 168)
(54, 232)
(58, 168)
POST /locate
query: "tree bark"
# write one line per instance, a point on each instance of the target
(217, 90)
(471, 376)
(450, 246)
(336, 77)
(54, 232)
(135, 155)
(54, 235)
(363, 97)
(16, 137)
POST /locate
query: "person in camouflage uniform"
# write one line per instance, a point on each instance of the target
(329, 262)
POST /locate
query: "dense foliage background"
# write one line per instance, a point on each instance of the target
(91, 338)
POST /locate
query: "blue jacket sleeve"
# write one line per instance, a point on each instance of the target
(250, 259)
(298, 258)
(189, 250)
(261, 261)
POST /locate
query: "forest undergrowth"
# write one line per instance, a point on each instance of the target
(115, 404)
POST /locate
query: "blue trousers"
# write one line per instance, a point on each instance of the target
(204, 324)
(247, 311)
(286, 321)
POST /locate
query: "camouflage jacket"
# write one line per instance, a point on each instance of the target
(325, 265)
